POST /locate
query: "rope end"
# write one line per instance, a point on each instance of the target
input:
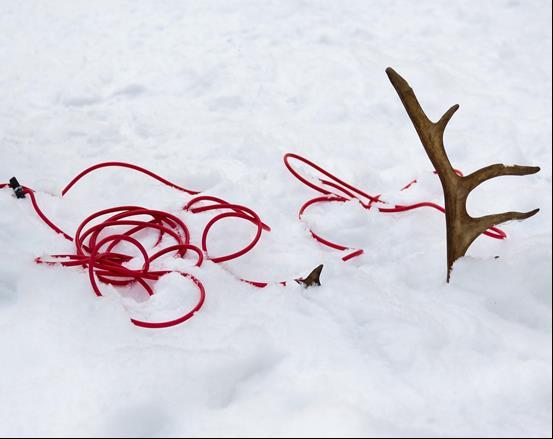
(17, 188)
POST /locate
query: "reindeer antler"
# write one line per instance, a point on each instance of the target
(462, 229)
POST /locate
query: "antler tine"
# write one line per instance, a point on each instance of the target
(430, 133)
(498, 170)
(487, 221)
(442, 123)
(407, 96)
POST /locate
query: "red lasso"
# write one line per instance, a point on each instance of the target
(336, 190)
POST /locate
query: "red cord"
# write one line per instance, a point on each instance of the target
(234, 211)
(347, 192)
(95, 245)
(125, 165)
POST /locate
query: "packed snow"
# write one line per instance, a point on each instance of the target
(210, 95)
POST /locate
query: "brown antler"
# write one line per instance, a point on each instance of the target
(462, 229)
(313, 279)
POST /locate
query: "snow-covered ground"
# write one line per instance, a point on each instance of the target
(211, 94)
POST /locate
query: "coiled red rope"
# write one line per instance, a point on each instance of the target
(99, 236)
(96, 242)
(336, 190)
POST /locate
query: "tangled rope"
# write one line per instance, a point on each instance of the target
(99, 237)
(98, 256)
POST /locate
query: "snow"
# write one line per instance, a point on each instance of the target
(211, 95)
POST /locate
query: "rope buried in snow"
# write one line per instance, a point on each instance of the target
(96, 241)
(336, 190)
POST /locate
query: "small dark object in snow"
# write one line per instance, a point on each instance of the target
(314, 278)
(17, 188)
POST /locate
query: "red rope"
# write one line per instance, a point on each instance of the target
(130, 166)
(343, 191)
(95, 244)
(100, 234)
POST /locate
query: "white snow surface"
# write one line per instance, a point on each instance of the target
(211, 94)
